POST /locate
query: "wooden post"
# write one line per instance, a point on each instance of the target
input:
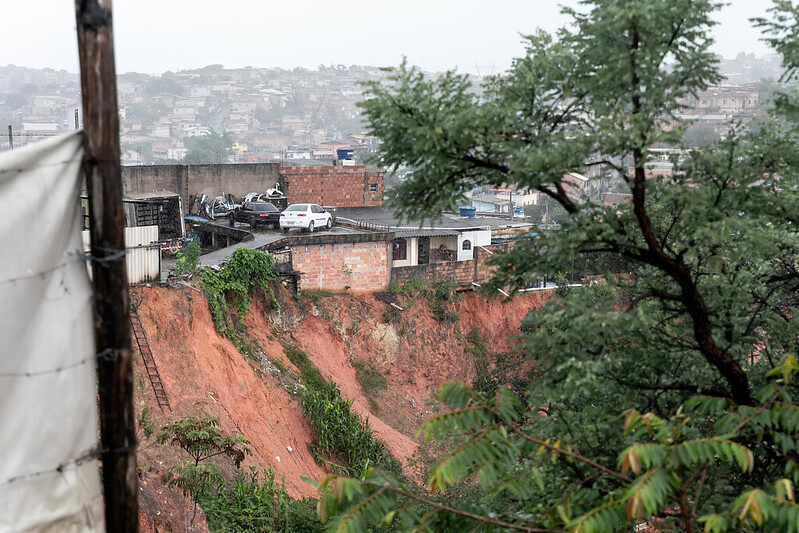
(112, 319)
(10, 138)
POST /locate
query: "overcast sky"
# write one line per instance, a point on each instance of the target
(153, 36)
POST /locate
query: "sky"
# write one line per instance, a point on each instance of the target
(153, 36)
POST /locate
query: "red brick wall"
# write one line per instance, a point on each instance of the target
(332, 186)
(457, 271)
(361, 266)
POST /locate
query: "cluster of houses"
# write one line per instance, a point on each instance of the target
(368, 248)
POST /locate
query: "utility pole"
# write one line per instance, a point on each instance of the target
(10, 138)
(111, 300)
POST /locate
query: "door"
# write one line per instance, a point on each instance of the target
(318, 215)
(424, 250)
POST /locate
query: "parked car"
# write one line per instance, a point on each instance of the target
(258, 213)
(305, 216)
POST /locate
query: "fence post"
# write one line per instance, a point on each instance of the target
(111, 300)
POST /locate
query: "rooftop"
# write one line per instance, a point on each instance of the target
(446, 224)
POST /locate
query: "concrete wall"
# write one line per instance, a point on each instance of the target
(331, 186)
(237, 180)
(188, 180)
(145, 179)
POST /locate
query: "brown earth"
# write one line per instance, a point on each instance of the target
(163, 508)
(204, 374)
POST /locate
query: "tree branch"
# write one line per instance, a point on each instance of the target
(472, 516)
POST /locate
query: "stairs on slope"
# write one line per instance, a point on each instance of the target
(149, 361)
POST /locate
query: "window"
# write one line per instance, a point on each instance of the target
(373, 187)
(317, 209)
(467, 245)
(400, 250)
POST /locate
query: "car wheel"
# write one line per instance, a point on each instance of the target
(329, 223)
(285, 230)
(310, 227)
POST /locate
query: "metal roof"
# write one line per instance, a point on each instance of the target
(154, 195)
(447, 224)
(424, 233)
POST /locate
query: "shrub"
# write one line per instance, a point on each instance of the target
(301, 517)
(479, 351)
(440, 297)
(314, 295)
(340, 431)
(408, 288)
(228, 290)
(188, 259)
(246, 504)
(371, 380)
(309, 373)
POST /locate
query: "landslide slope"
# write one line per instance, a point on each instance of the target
(345, 335)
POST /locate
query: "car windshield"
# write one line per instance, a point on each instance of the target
(297, 207)
(263, 207)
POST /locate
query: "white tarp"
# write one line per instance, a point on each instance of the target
(49, 477)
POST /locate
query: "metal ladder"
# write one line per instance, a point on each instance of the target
(149, 362)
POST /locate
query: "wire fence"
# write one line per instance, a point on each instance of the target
(92, 453)
(98, 256)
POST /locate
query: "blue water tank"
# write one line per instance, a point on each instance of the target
(468, 211)
(344, 153)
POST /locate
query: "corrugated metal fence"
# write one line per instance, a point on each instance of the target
(143, 253)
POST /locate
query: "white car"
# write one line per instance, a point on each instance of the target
(305, 216)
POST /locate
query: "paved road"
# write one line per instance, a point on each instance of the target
(262, 238)
(217, 256)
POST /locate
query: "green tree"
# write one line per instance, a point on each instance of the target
(165, 84)
(148, 113)
(209, 148)
(700, 135)
(202, 440)
(694, 348)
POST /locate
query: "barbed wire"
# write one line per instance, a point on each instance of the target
(95, 452)
(76, 255)
(91, 453)
(108, 354)
(40, 165)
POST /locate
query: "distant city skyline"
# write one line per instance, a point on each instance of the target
(154, 36)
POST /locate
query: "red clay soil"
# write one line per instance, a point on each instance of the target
(164, 508)
(498, 319)
(326, 348)
(204, 375)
